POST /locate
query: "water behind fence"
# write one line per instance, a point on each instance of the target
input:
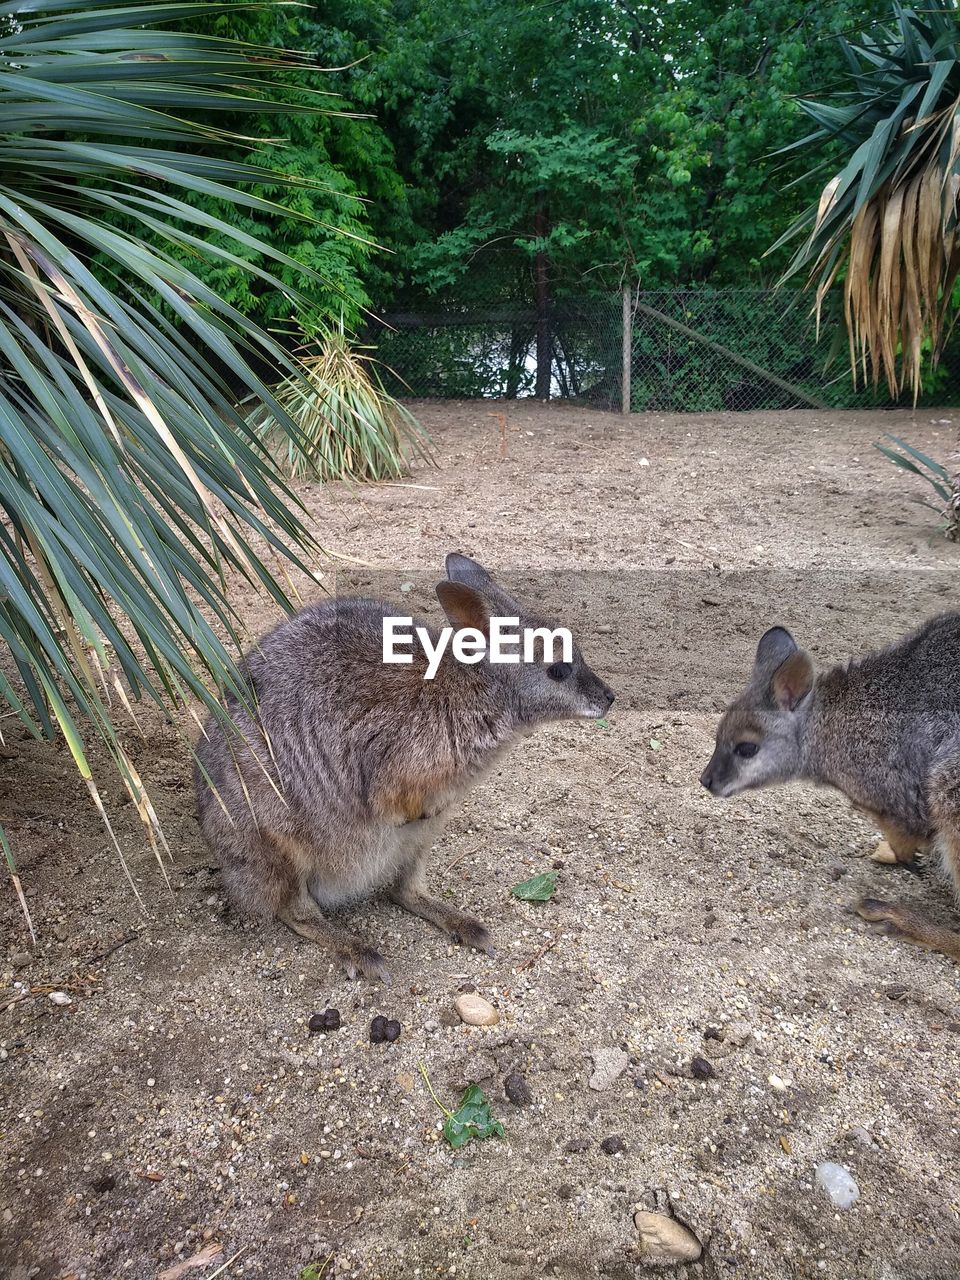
(688, 351)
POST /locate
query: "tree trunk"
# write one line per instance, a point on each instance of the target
(519, 346)
(542, 303)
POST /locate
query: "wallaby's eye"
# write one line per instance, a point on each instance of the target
(560, 671)
(746, 749)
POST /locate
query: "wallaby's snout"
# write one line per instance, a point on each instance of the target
(599, 697)
(723, 776)
(707, 777)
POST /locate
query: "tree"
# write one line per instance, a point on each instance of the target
(610, 136)
(886, 221)
(130, 484)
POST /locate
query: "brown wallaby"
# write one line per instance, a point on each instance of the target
(884, 730)
(341, 780)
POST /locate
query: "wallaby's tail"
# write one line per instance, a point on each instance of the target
(911, 924)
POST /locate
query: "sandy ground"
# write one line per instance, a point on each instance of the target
(178, 1103)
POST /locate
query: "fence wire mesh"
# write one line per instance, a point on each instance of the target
(691, 350)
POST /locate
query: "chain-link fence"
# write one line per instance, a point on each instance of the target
(691, 350)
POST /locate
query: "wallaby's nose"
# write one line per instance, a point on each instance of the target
(609, 695)
(706, 778)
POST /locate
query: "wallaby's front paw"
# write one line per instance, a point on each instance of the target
(365, 962)
(468, 931)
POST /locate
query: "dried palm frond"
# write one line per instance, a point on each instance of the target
(348, 426)
(887, 222)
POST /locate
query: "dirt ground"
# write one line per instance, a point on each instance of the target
(178, 1102)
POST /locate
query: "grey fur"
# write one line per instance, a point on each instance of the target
(342, 781)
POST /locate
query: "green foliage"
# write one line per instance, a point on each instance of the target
(471, 137)
(320, 221)
(472, 1120)
(537, 889)
(638, 137)
(130, 485)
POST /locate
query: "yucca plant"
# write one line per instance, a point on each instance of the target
(131, 485)
(945, 486)
(348, 426)
(887, 221)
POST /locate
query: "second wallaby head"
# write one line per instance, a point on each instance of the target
(760, 739)
(538, 691)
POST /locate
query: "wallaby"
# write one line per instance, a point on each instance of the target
(884, 730)
(341, 780)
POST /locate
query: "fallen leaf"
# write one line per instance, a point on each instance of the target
(537, 889)
(785, 1143)
(655, 744)
(471, 1120)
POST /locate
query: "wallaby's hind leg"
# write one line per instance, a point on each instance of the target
(945, 810)
(301, 914)
(410, 892)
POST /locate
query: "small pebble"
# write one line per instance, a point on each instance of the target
(475, 1011)
(702, 1069)
(664, 1242)
(613, 1146)
(517, 1090)
(608, 1065)
(738, 1033)
(60, 998)
(862, 1136)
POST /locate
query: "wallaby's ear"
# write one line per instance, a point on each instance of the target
(775, 647)
(463, 569)
(464, 606)
(792, 681)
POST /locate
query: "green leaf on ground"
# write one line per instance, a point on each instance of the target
(472, 1119)
(603, 723)
(537, 889)
(655, 744)
(314, 1270)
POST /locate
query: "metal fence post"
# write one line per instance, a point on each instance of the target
(627, 362)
